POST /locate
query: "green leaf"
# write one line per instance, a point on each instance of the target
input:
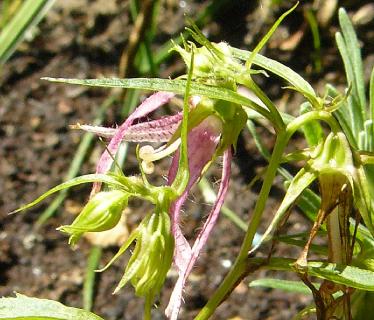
(363, 199)
(362, 305)
(23, 307)
(177, 86)
(29, 15)
(280, 70)
(285, 285)
(354, 55)
(298, 184)
(267, 36)
(371, 96)
(346, 275)
(110, 179)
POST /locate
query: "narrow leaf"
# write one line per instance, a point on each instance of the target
(110, 180)
(298, 184)
(349, 276)
(277, 68)
(176, 86)
(285, 285)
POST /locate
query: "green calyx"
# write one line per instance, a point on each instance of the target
(334, 155)
(101, 213)
(214, 63)
(152, 256)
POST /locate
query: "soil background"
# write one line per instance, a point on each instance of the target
(85, 39)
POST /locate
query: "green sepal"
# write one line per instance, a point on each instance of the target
(102, 212)
(234, 119)
(152, 256)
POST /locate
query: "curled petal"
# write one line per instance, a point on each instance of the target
(160, 130)
(202, 144)
(175, 302)
(150, 104)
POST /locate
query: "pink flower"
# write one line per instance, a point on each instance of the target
(203, 142)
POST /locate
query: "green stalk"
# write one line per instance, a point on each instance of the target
(148, 307)
(277, 118)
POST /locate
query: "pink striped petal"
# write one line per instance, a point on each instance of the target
(202, 143)
(175, 302)
(148, 105)
(160, 130)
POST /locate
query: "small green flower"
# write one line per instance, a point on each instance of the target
(101, 213)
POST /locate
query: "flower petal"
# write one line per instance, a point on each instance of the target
(159, 130)
(175, 302)
(150, 104)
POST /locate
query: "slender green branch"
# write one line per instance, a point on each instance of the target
(325, 116)
(278, 122)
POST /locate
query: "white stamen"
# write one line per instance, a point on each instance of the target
(149, 154)
(148, 167)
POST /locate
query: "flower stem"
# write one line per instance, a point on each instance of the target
(148, 307)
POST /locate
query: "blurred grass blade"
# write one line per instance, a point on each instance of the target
(313, 24)
(89, 280)
(210, 197)
(23, 307)
(285, 285)
(28, 15)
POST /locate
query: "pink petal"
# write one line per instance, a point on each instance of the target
(202, 144)
(160, 130)
(148, 105)
(175, 302)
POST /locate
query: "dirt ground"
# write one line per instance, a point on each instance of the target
(85, 39)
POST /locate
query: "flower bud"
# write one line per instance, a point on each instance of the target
(152, 256)
(102, 212)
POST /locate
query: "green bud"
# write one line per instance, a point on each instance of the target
(334, 156)
(215, 64)
(152, 256)
(102, 212)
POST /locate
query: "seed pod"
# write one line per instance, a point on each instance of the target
(101, 213)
